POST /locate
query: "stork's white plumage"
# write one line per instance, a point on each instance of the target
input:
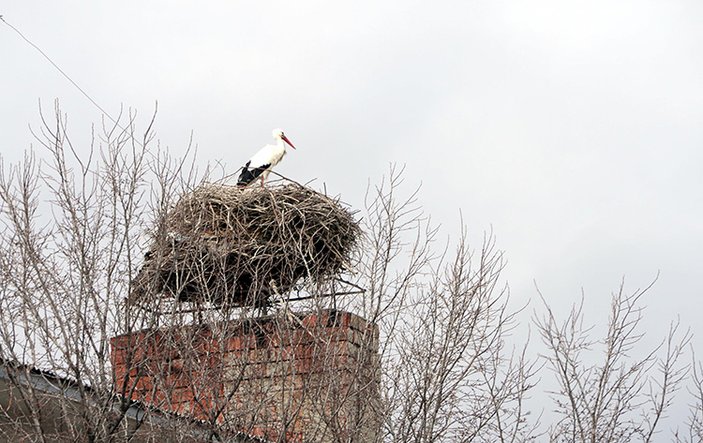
(260, 164)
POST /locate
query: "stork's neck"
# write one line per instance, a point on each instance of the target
(280, 144)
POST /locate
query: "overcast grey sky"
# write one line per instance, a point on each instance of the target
(573, 128)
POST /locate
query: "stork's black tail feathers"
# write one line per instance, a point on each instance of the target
(249, 175)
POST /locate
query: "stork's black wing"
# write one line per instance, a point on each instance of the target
(248, 175)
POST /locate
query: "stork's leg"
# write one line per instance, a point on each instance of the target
(262, 180)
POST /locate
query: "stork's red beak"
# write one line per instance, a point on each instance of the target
(285, 139)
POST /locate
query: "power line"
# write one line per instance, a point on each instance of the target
(85, 94)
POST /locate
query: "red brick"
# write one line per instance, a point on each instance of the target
(273, 368)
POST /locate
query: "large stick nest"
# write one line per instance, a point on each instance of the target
(237, 247)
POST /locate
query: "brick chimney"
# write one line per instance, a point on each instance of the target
(301, 378)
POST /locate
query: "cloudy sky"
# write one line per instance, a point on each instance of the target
(573, 128)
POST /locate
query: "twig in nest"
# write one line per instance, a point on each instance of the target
(224, 245)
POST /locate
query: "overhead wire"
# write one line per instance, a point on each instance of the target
(58, 68)
(76, 85)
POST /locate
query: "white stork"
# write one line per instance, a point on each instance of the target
(262, 162)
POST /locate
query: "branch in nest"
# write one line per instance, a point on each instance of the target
(225, 244)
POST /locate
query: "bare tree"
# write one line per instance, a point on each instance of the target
(70, 247)
(614, 398)
(71, 242)
(427, 359)
(446, 373)
(694, 425)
